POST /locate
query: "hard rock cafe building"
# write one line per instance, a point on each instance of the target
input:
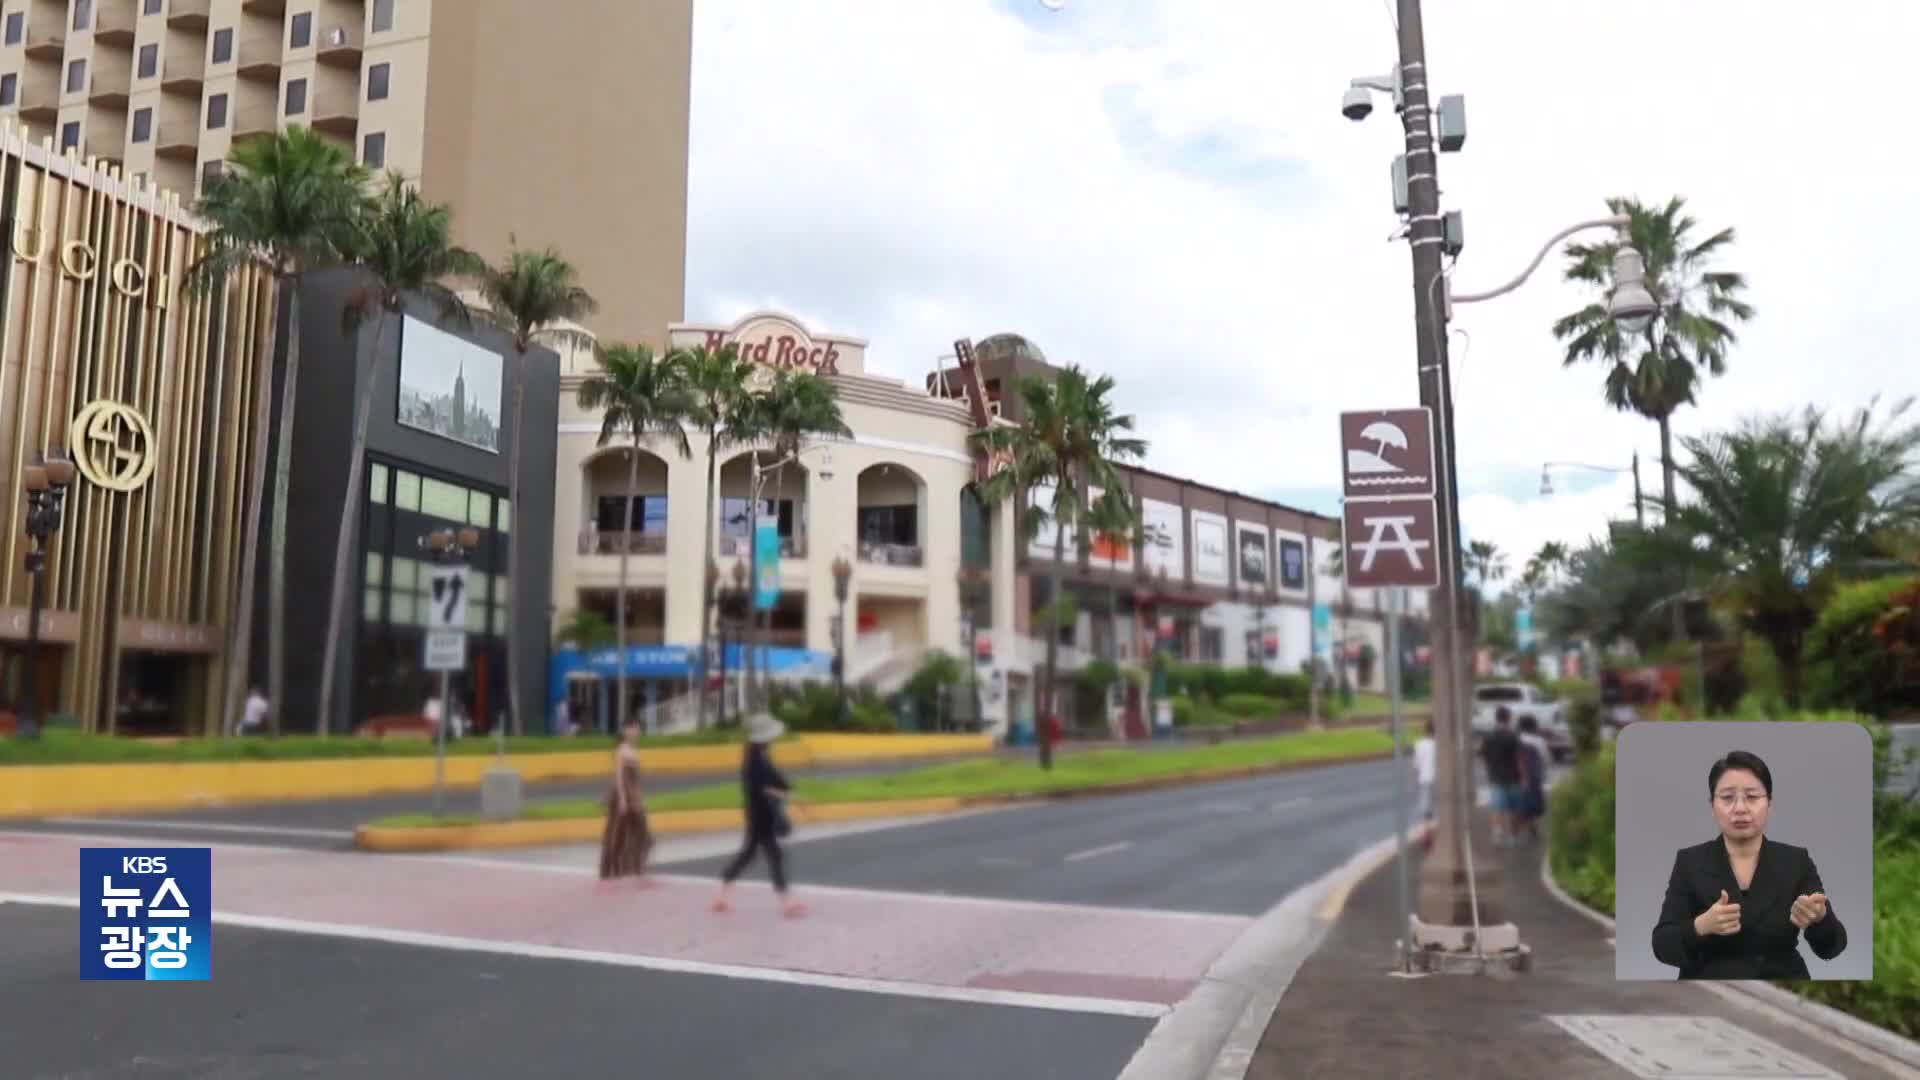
(149, 387)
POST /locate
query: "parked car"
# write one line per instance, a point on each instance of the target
(1524, 699)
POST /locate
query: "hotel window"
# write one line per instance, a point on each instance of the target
(82, 13)
(142, 125)
(9, 89)
(379, 76)
(222, 45)
(149, 61)
(382, 16)
(890, 525)
(373, 152)
(735, 526)
(212, 171)
(302, 31)
(504, 516)
(480, 509)
(296, 96)
(648, 516)
(216, 111)
(70, 135)
(152, 7)
(76, 76)
(443, 500)
(16, 27)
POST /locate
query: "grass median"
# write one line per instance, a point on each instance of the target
(57, 747)
(989, 778)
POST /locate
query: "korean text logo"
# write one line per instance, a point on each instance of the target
(146, 913)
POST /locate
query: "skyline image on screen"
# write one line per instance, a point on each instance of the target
(449, 387)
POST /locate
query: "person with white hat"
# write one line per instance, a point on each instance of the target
(765, 792)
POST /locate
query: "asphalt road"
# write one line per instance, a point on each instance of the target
(1232, 848)
(289, 1005)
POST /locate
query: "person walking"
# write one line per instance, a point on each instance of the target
(764, 794)
(626, 841)
(1534, 756)
(1425, 763)
(1500, 752)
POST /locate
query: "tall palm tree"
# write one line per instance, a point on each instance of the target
(1486, 562)
(1657, 372)
(639, 396)
(526, 296)
(1073, 439)
(292, 200)
(794, 407)
(405, 250)
(723, 412)
(1787, 508)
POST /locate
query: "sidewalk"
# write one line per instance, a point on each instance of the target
(1344, 1016)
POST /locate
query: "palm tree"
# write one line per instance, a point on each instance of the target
(583, 628)
(1786, 509)
(1655, 373)
(406, 250)
(1072, 439)
(717, 380)
(527, 295)
(640, 396)
(1485, 561)
(293, 201)
(794, 407)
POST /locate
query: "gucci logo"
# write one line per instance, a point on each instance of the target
(112, 446)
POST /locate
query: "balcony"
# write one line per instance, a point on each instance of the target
(105, 136)
(595, 542)
(112, 79)
(46, 38)
(189, 14)
(258, 57)
(183, 71)
(891, 516)
(40, 93)
(783, 496)
(791, 547)
(333, 101)
(113, 23)
(176, 138)
(892, 554)
(256, 110)
(276, 8)
(340, 45)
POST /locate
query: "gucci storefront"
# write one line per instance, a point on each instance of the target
(150, 388)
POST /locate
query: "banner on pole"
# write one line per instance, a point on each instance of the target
(766, 556)
(1322, 632)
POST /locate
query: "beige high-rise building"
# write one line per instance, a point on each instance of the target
(554, 122)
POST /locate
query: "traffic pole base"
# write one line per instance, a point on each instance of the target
(1451, 950)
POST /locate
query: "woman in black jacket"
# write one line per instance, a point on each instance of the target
(1736, 905)
(764, 792)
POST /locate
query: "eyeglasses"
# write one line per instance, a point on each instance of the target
(1735, 798)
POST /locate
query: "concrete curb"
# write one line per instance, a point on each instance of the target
(430, 838)
(506, 834)
(1214, 1033)
(1844, 1031)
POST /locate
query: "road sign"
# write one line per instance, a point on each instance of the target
(1390, 544)
(446, 650)
(449, 596)
(1386, 453)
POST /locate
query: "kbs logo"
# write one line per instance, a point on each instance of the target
(146, 913)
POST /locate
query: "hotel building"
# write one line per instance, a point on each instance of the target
(519, 114)
(150, 388)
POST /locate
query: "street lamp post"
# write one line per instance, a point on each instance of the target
(742, 579)
(842, 578)
(968, 580)
(756, 488)
(46, 481)
(1639, 504)
(447, 547)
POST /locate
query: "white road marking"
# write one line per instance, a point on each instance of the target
(204, 826)
(1013, 998)
(1288, 804)
(1096, 852)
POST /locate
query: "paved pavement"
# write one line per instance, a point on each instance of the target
(1344, 1016)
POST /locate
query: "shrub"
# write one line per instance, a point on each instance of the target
(816, 707)
(1580, 830)
(1848, 667)
(1251, 706)
(1889, 999)
(1584, 719)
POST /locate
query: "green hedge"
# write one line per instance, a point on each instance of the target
(1846, 666)
(1215, 683)
(816, 707)
(1580, 829)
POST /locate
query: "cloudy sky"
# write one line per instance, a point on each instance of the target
(1166, 190)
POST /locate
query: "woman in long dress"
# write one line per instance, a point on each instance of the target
(626, 842)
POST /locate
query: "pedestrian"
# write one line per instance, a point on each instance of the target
(626, 841)
(1425, 753)
(1535, 754)
(764, 793)
(1500, 751)
(253, 714)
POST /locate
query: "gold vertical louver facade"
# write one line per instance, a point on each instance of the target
(152, 387)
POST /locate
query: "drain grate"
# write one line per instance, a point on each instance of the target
(1688, 1048)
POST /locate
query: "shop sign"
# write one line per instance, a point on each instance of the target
(80, 260)
(784, 351)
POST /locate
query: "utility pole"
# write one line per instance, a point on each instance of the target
(1459, 909)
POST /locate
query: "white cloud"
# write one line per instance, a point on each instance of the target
(1167, 192)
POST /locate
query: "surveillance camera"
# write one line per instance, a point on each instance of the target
(1357, 104)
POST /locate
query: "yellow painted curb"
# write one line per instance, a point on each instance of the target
(71, 790)
(581, 830)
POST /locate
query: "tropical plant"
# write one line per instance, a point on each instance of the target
(526, 296)
(405, 250)
(1658, 371)
(792, 408)
(639, 396)
(292, 201)
(1485, 562)
(1071, 439)
(583, 628)
(1615, 590)
(717, 381)
(1786, 509)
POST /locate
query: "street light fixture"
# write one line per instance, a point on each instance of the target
(46, 481)
(447, 547)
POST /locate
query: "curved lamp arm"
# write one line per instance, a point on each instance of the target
(1584, 465)
(1618, 221)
